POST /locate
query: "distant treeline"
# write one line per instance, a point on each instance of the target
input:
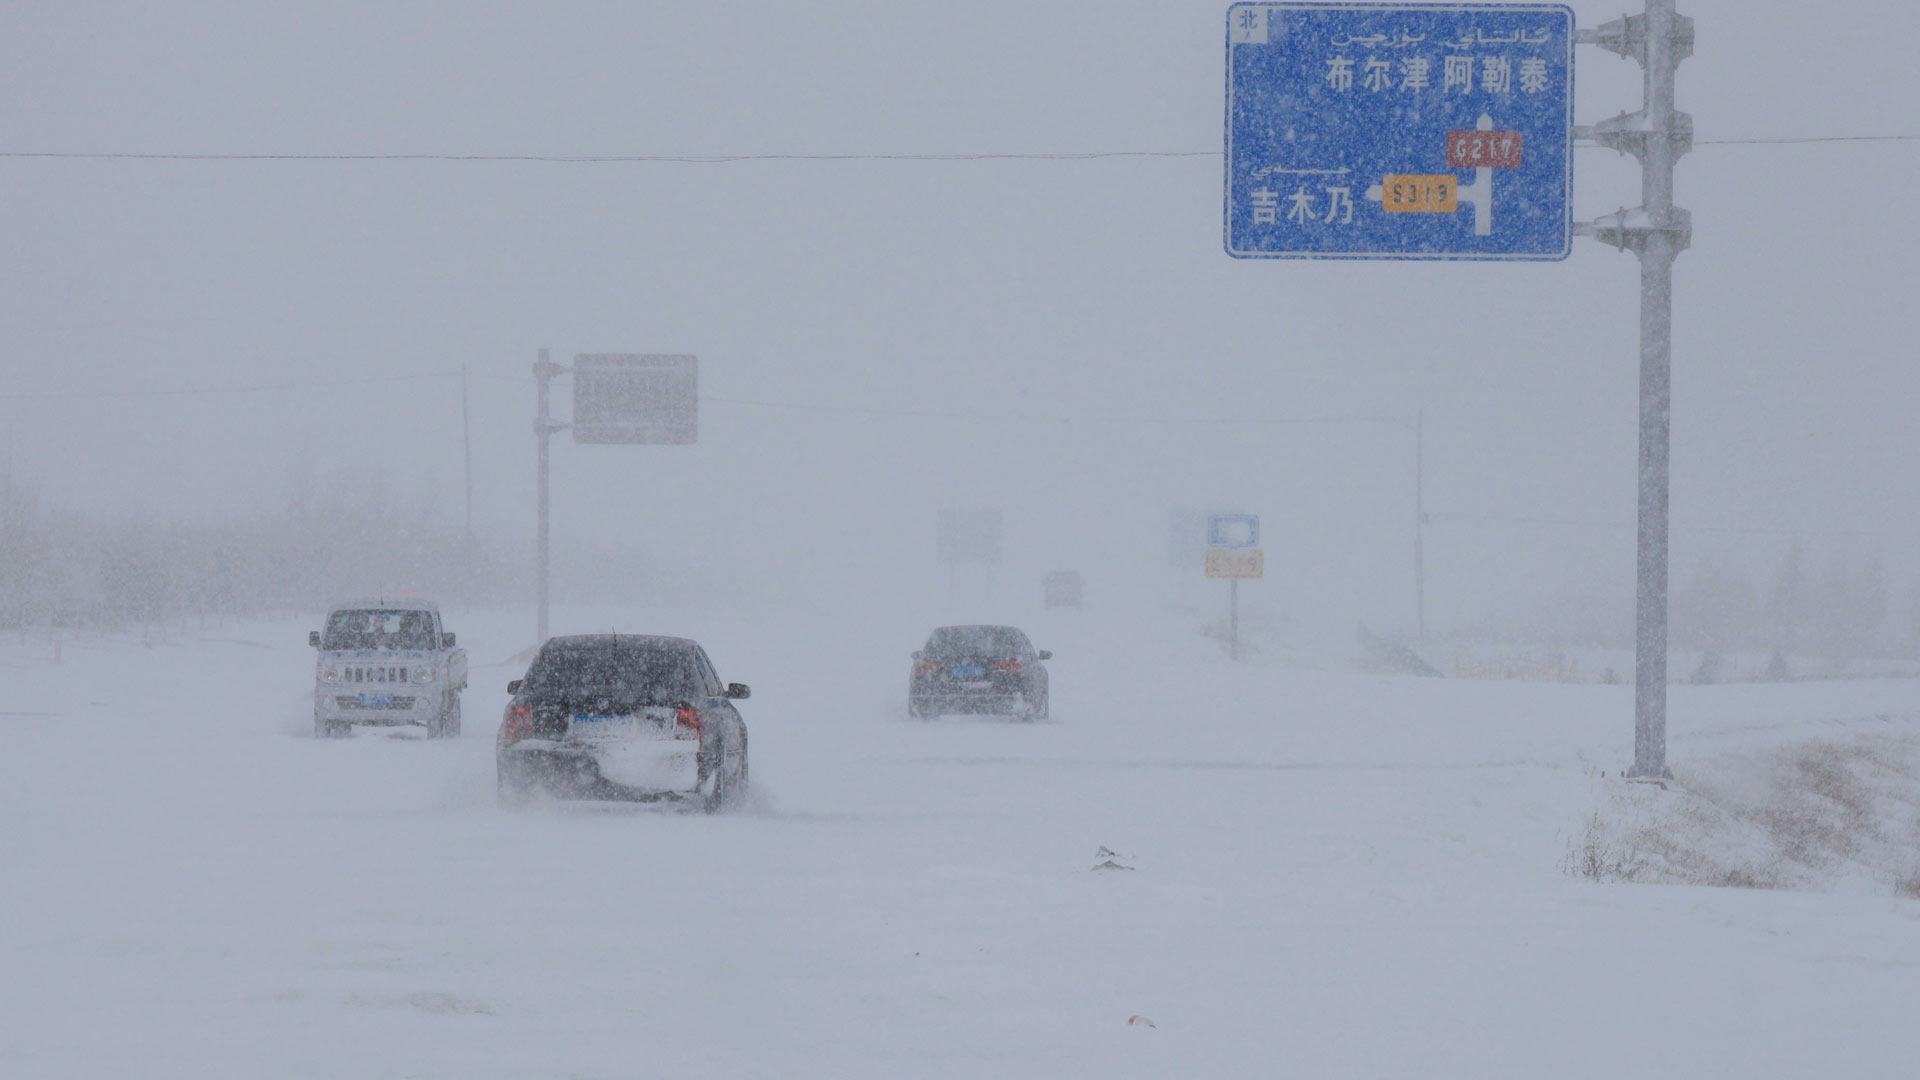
(1839, 607)
(70, 568)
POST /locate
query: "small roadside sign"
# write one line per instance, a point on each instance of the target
(970, 535)
(1236, 563)
(1233, 530)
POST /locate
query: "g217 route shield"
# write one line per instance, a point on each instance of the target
(1399, 131)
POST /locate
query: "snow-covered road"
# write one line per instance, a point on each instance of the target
(1331, 874)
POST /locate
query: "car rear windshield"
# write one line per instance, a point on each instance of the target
(660, 674)
(379, 629)
(975, 641)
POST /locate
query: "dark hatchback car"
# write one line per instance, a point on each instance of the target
(979, 669)
(626, 717)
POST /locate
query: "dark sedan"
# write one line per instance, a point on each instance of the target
(623, 716)
(979, 669)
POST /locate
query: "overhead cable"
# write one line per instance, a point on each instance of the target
(731, 159)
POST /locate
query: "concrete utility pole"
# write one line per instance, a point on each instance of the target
(466, 452)
(543, 429)
(1420, 521)
(1657, 231)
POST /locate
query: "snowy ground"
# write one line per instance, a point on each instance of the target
(1332, 875)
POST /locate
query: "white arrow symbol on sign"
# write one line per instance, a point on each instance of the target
(1478, 192)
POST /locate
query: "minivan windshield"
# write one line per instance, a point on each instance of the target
(379, 629)
(659, 673)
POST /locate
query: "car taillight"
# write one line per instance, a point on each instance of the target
(926, 667)
(686, 723)
(518, 725)
(1006, 665)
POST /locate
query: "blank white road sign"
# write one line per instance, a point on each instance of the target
(636, 398)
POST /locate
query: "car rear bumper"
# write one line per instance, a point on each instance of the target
(645, 770)
(995, 701)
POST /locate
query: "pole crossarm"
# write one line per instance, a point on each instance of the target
(1630, 230)
(1628, 36)
(1631, 133)
(1656, 135)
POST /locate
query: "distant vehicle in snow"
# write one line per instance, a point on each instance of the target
(627, 717)
(386, 664)
(979, 669)
(1063, 588)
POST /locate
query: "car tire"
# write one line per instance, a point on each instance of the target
(922, 710)
(740, 783)
(512, 793)
(328, 729)
(722, 795)
(1046, 705)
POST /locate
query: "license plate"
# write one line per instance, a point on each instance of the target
(969, 673)
(381, 701)
(604, 725)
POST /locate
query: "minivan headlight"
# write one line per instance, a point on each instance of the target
(422, 674)
(331, 674)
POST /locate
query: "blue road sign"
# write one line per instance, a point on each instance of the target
(1233, 531)
(1399, 131)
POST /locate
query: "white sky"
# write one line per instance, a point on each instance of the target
(1092, 288)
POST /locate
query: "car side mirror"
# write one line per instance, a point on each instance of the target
(313, 638)
(446, 640)
(739, 691)
(1045, 655)
(919, 655)
(514, 686)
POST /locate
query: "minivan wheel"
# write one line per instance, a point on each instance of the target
(446, 723)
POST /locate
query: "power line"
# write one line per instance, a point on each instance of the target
(933, 414)
(1805, 139)
(617, 159)
(1628, 526)
(1030, 418)
(805, 407)
(196, 391)
(731, 159)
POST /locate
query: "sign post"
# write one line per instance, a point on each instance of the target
(617, 398)
(1349, 127)
(1233, 553)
